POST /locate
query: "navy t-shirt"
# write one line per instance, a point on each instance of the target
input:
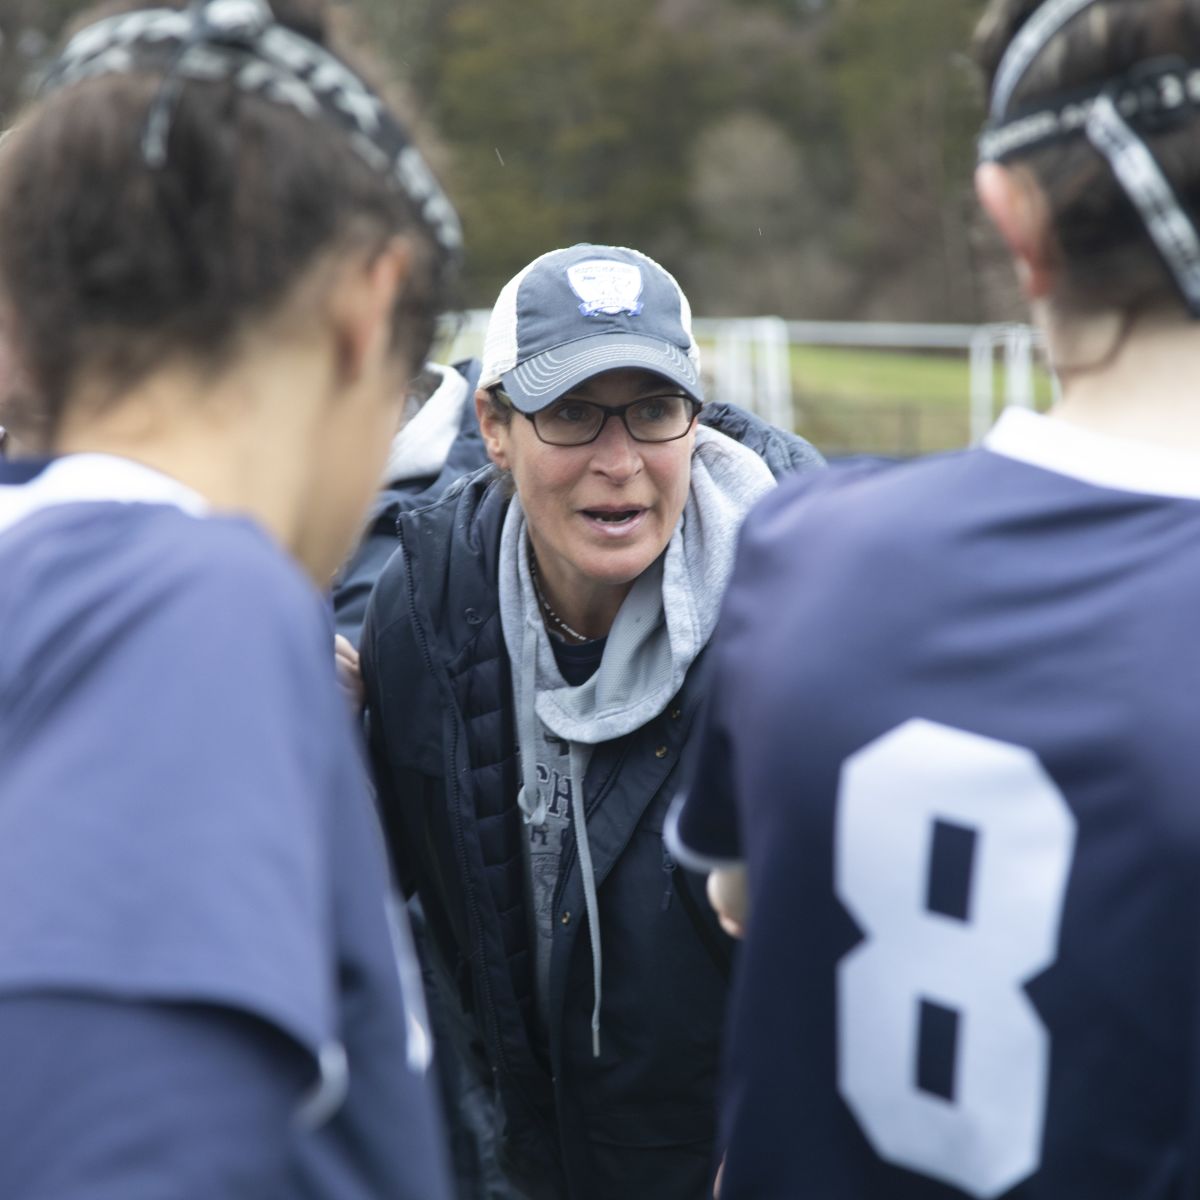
(578, 663)
(954, 735)
(183, 813)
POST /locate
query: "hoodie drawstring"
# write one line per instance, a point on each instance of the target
(530, 798)
(534, 804)
(588, 876)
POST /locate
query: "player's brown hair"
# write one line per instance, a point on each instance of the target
(108, 266)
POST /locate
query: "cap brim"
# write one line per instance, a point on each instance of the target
(542, 379)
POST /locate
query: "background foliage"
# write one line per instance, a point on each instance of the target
(808, 158)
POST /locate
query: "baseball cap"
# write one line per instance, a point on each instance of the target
(577, 312)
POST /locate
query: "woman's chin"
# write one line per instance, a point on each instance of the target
(619, 567)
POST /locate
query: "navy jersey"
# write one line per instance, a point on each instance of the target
(183, 813)
(954, 735)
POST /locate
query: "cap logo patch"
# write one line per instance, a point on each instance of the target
(607, 287)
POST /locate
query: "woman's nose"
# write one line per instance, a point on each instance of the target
(614, 452)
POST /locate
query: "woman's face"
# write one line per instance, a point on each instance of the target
(598, 515)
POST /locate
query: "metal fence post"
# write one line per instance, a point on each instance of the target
(1018, 366)
(774, 375)
(982, 381)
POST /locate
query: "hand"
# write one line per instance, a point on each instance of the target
(349, 673)
(728, 895)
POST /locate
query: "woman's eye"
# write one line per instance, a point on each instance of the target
(570, 414)
(659, 408)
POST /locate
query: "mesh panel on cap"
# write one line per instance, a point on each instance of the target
(500, 341)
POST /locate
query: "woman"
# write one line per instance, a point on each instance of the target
(970, 965)
(539, 639)
(220, 258)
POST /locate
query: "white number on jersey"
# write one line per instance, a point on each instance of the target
(893, 792)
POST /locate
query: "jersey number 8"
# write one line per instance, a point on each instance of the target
(980, 1131)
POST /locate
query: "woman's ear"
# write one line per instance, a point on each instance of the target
(362, 306)
(1017, 208)
(494, 429)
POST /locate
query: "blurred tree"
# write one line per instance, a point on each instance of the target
(28, 29)
(568, 121)
(842, 129)
(910, 107)
(407, 34)
(767, 243)
(769, 178)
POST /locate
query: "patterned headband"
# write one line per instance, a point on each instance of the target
(239, 41)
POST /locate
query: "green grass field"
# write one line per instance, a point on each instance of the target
(887, 402)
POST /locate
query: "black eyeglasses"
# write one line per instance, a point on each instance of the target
(660, 418)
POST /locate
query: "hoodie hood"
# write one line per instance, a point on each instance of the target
(422, 446)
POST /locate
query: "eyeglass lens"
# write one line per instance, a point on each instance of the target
(651, 419)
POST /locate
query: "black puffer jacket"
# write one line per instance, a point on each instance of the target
(637, 1122)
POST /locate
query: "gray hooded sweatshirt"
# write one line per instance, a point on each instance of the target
(662, 625)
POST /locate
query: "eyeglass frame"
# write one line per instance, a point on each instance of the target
(614, 410)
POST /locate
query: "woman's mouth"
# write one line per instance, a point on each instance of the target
(614, 522)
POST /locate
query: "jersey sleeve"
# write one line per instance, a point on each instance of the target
(168, 761)
(702, 824)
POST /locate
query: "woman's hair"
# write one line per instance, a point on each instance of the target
(500, 410)
(1107, 258)
(109, 264)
